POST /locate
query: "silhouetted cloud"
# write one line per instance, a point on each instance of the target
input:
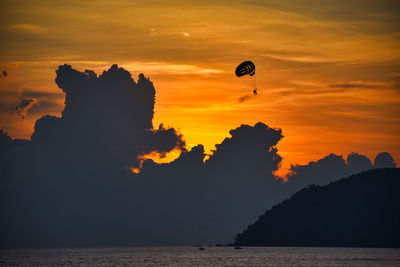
(358, 163)
(117, 110)
(4, 139)
(238, 174)
(24, 106)
(333, 167)
(256, 145)
(384, 160)
(72, 184)
(76, 168)
(319, 172)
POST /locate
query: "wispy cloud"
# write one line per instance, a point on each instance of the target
(244, 98)
(153, 32)
(345, 84)
(361, 84)
(27, 27)
(301, 59)
(24, 106)
(167, 68)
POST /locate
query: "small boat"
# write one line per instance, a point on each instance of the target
(238, 248)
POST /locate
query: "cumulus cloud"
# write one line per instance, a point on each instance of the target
(357, 163)
(116, 110)
(319, 172)
(334, 167)
(256, 145)
(213, 198)
(384, 160)
(24, 106)
(76, 168)
(72, 184)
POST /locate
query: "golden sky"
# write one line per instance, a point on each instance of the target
(327, 72)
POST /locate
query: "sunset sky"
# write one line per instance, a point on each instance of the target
(327, 72)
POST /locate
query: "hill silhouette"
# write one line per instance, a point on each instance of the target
(362, 210)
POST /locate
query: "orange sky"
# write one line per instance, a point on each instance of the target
(328, 72)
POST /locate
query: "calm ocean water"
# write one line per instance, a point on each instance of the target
(210, 256)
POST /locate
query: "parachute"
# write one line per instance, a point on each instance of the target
(245, 68)
(248, 68)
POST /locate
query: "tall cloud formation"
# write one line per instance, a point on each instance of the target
(111, 114)
(71, 185)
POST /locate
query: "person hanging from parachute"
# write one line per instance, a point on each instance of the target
(247, 68)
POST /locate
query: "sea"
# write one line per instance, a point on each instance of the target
(204, 256)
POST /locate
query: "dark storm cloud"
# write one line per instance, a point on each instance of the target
(24, 106)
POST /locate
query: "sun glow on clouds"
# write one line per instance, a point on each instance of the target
(27, 28)
(148, 68)
(166, 68)
(158, 158)
(320, 68)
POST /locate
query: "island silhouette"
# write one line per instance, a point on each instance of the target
(362, 210)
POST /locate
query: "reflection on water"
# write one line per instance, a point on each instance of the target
(210, 256)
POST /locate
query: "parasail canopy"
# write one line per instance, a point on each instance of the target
(245, 68)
